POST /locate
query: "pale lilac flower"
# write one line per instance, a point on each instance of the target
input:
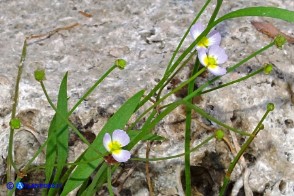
(211, 58)
(115, 143)
(213, 38)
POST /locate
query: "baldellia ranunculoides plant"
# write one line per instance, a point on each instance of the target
(116, 139)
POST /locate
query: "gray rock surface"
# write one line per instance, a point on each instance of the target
(146, 33)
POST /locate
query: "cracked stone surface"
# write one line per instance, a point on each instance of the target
(146, 33)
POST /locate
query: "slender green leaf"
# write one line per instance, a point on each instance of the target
(51, 152)
(62, 132)
(117, 121)
(272, 12)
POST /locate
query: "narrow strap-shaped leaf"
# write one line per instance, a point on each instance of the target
(117, 121)
(62, 132)
(271, 12)
(50, 151)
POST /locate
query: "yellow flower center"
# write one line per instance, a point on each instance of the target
(203, 42)
(210, 62)
(115, 147)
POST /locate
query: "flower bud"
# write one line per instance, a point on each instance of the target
(120, 63)
(270, 107)
(219, 134)
(280, 40)
(268, 68)
(39, 74)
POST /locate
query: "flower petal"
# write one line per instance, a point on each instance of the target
(123, 156)
(217, 70)
(106, 141)
(202, 56)
(197, 29)
(214, 38)
(120, 136)
(218, 53)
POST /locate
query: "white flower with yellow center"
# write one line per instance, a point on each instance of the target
(115, 143)
(211, 58)
(213, 38)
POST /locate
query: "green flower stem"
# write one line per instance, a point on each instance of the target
(174, 74)
(178, 155)
(162, 81)
(92, 89)
(240, 153)
(204, 114)
(25, 169)
(235, 81)
(215, 12)
(230, 69)
(109, 186)
(185, 35)
(66, 120)
(10, 162)
(188, 133)
(10, 192)
(181, 85)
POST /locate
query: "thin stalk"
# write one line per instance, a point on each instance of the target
(174, 74)
(241, 152)
(109, 186)
(13, 114)
(175, 156)
(188, 133)
(181, 85)
(92, 88)
(235, 81)
(204, 114)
